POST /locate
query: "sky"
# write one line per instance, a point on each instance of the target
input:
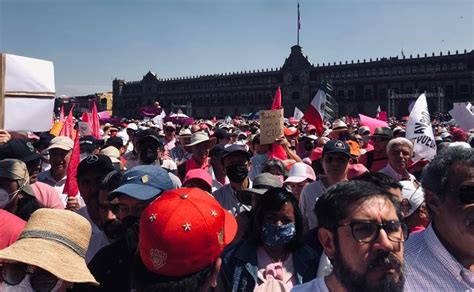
(92, 42)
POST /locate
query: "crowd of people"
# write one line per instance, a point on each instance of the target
(208, 207)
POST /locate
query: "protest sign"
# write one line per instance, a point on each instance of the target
(463, 115)
(419, 130)
(271, 125)
(27, 93)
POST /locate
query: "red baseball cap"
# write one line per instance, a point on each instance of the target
(183, 231)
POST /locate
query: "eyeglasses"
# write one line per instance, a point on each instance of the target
(40, 280)
(466, 195)
(368, 231)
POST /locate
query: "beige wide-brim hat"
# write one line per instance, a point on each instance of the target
(56, 241)
(200, 137)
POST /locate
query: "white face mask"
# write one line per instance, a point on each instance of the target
(25, 286)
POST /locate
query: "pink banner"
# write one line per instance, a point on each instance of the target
(104, 115)
(371, 123)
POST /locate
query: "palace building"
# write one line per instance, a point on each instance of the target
(358, 86)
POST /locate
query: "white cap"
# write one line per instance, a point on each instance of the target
(413, 194)
(132, 126)
(299, 172)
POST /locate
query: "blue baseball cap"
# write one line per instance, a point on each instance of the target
(143, 182)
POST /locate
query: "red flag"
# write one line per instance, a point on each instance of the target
(61, 115)
(85, 117)
(382, 116)
(314, 113)
(68, 126)
(277, 100)
(277, 151)
(95, 124)
(70, 186)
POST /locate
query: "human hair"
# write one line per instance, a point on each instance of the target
(273, 200)
(27, 205)
(334, 205)
(379, 179)
(111, 181)
(144, 280)
(435, 175)
(274, 164)
(399, 141)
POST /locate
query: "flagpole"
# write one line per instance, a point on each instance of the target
(298, 26)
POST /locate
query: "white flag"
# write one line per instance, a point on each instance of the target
(420, 132)
(298, 114)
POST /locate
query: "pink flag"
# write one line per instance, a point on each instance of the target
(68, 126)
(371, 123)
(70, 186)
(95, 125)
(277, 151)
(315, 112)
(61, 115)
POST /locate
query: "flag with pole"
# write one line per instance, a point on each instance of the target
(70, 186)
(277, 151)
(61, 114)
(315, 112)
(420, 132)
(95, 123)
(298, 114)
(68, 125)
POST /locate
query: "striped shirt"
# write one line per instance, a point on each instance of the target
(430, 267)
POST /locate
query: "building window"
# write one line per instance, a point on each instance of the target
(368, 93)
(350, 93)
(295, 95)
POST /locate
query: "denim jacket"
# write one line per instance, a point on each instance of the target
(240, 266)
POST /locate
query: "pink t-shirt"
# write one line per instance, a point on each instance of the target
(274, 274)
(47, 196)
(10, 228)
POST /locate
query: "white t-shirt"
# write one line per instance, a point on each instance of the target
(309, 195)
(317, 284)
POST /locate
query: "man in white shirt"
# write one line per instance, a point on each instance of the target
(60, 150)
(351, 218)
(399, 153)
(441, 258)
(237, 163)
(335, 161)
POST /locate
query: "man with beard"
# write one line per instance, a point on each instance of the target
(237, 164)
(441, 258)
(138, 188)
(363, 236)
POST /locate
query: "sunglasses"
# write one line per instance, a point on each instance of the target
(466, 195)
(40, 280)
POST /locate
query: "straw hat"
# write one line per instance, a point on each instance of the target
(112, 152)
(200, 137)
(56, 241)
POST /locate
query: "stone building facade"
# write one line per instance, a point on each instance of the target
(359, 86)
